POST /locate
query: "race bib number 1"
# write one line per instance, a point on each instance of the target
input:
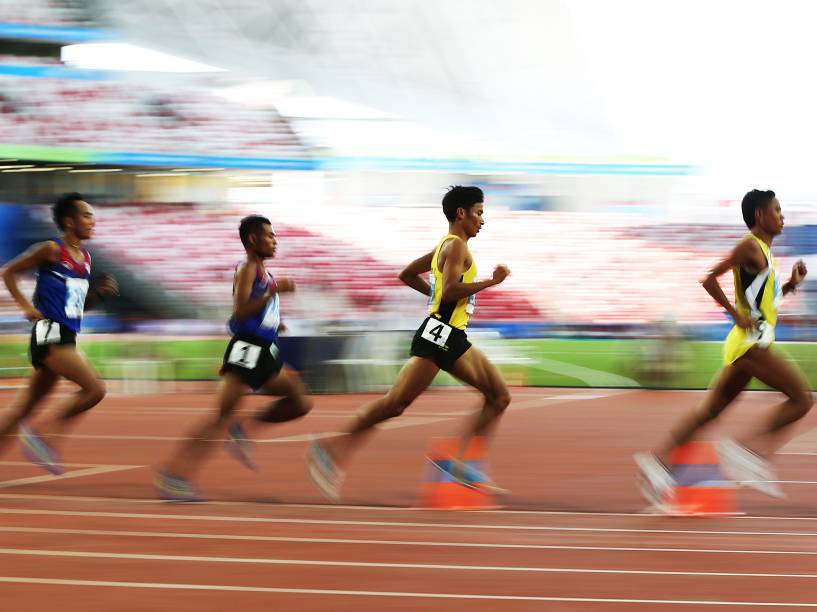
(244, 354)
(436, 331)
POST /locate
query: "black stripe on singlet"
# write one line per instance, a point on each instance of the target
(746, 279)
(446, 309)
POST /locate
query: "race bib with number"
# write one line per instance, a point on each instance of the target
(436, 331)
(762, 334)
(244, 354)
(46, 332)
(76, 291)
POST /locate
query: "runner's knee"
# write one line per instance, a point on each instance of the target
(305, 404)
(395, 405)
(96, 392)
(286, 409)
(498, 399)
(803, 401)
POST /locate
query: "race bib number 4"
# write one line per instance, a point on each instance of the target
(436, 331)
(244, 354)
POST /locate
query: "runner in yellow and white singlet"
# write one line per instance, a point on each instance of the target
(747, 354)
(440, 343)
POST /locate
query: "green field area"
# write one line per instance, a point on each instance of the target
(545, 362)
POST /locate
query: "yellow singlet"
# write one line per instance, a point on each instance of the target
(456, 314)
(757, 296)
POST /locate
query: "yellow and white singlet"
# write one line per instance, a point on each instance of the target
(455, 314)
(757, 296)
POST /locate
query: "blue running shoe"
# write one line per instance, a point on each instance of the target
(239, 445)
(38, 452)
(467, 475)
(174, 489)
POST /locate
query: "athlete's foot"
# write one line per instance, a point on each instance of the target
(174, 489)
(469, 476)
(39, 452)
(240, 446)
(746, 468)
(654, 479)
(323, 471)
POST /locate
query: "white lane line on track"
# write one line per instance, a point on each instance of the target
(91, 471)
(410, 420)
(87, 554)
(428, 525)
(402, 594)
(388, 509)
(408, 543)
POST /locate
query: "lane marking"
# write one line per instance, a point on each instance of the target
(406, 594)
(461, 526)
(416, 543)
(91, 471)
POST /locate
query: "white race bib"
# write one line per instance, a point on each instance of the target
(46, 332)
(436, 331)
(762, 335)
(244, 354)
(76, 290)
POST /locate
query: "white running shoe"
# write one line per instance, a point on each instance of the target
(654, 480)
(323, 471)
(748, 469)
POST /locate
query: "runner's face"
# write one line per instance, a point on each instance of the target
(771, 218)
(266, 244)
(83, 221)
(473, 220)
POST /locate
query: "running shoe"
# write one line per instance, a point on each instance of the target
(240, 446)
(655, 481)
(748, 469)
(174, 489)
(38, 452)
(323, 471)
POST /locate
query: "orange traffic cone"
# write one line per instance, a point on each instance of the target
(701, 489)
(440, 490)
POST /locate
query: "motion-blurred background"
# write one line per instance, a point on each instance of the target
(613, 141)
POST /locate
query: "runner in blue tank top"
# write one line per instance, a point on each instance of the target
(60, 298)
(252, 361)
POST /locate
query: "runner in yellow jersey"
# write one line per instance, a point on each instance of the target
(747, 354)
(439, 344)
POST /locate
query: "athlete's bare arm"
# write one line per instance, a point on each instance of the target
(747, 255)
(798, 273)
(411, 273)
(452, 260)
(104, 286)
(47, 252)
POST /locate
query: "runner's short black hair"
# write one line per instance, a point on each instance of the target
(752, 201)
(66, 206)
(460, 196)
(253, 224)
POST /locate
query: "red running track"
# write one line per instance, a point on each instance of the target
(571, 535)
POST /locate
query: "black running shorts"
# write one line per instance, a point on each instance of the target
(439, 342)
(47, 333)
(253, 361)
